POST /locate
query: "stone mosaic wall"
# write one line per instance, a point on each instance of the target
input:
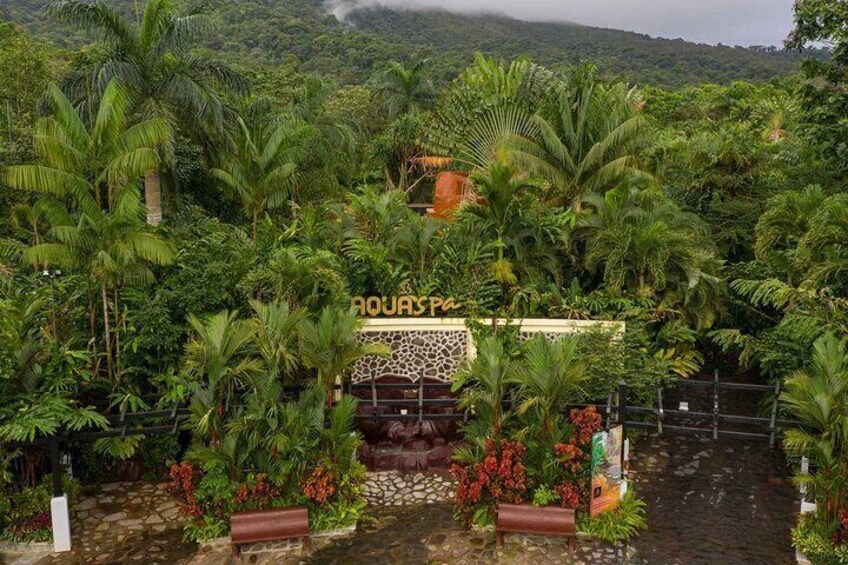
(433, 354)
(438, 352)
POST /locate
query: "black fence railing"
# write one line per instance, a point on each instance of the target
(416, 406)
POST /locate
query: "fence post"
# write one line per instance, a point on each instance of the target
(373, 397)
(774, 406)
(715, 405)
(660, 413)
(59, 515)
(622, 406)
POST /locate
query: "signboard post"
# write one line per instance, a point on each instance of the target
(607, 455)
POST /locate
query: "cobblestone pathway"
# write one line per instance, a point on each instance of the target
(725, 502)
(126, 523)
(392, 488)
(423, 534)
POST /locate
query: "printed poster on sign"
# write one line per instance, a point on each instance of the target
(606, 470)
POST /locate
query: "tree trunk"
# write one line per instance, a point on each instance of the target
(577, 204)
(117, 334)
(92, 330)
(153, 197)
(108, 338)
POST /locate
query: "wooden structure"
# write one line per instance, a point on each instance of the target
(269, 525)
(451, 188)
(542, 520)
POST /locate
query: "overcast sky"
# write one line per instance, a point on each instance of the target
(732, 22)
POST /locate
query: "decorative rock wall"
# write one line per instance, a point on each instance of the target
(433, 354)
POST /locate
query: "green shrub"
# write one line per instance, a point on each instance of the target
(25, 514)
(545, 496)
(621, 524)
(814, 538)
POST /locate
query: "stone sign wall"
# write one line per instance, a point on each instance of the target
(435, 347)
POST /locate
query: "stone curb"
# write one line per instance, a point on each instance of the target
(26, 547)
(286, 545)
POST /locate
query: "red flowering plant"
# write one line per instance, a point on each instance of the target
(560, 461)
(257, 493)
(320, 486)
(183, 486)
(499, 477)
(840, 536)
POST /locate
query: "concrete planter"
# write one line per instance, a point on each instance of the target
(802, 559)
(24, 552)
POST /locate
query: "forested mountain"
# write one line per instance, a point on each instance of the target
(269, 31)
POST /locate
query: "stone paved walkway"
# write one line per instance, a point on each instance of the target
(126, 523)
(422, 534)
(726, 502)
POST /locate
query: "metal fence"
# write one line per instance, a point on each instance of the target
(415, 406)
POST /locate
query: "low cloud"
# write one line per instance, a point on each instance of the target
(732, 22)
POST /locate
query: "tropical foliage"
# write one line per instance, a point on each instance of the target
(526, 443)
(711, 219)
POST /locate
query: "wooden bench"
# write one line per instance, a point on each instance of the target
(542, 520)
(269, 525)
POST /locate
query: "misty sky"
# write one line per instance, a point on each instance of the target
(732, 22)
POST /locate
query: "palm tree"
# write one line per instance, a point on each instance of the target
(484, 381)
(338, 439)
(403, 90)
(640, 240)
(821, 251)
(87, 183)
(334, 145)
(277, 326)
(153, 58)
(217, 358)
(549, 378)
(331, 346)
(585, 142)
(263, 169)
(90, 165)
(818, 398)
(489, 103)
(500, 209)
(574, 131)
(787, 218)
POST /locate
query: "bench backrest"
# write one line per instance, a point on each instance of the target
(537, 519)
(269, 525)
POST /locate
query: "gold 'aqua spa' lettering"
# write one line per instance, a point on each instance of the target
(389, 306)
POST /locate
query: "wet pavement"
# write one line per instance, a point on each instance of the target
(423, 534)
(727, 502)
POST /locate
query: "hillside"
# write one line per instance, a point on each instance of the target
(268, 31)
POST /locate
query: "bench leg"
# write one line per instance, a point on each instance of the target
(499, 537)
(307, 544)
(572, 544)
(236, 551)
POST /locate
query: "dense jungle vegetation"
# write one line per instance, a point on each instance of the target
(181, 225)
(260, 33)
